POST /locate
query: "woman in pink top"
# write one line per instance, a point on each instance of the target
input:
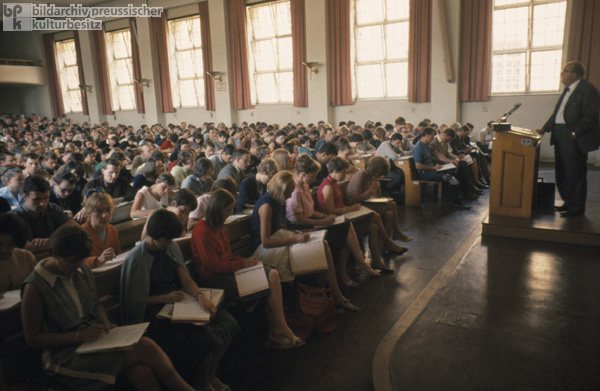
(341, 237)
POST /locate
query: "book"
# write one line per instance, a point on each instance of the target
(310, 256)
(380, 200)
(363, 211)
(113, 263)
(120, 338)
(189, 310)
(252, 282)
(233, 218)
(10, 299)
(446, 167)
(214, 295)
(338, 220)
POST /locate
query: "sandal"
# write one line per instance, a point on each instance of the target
(346, 305)
(369, 271)
(281, 342)
(350, 284)
(400, 250)
(383, 269)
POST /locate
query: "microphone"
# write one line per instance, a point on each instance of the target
(507, 114)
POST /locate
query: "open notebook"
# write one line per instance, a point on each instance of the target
(120, 338)
(310, 256)
(189, 310)
(252, 282)
(113, 263)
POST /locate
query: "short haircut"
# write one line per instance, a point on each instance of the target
(209, 143)
(223, 133)
(70, 240)
(32, 156)
(342, 144)
(166, 178)
(96, 199)
(378, 165)
(13, 225)
(577, 68)
(328, 149)
(427, 131)
(111, 162)
(65, 176)
(35, 183)
(380, 132)
(306, 164)
(228, 149)
(76, 156)
(450, 132)
(10, 174)
(281, 183)
(149, 169)
(227, 183)
(268, 167)
(218, 201)
(396, 136)
(202, 166)
(400, 121)
(5, 155)
(50, 155)
(337, 164)
(184, 156)
(185, 197)
(239, 153)
(423, 123)
(464, 128)
(304, 139)
(367, 134)
(262, 151)
(164, 224)
(77, 168)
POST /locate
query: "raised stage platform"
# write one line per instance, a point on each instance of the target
(549, 226)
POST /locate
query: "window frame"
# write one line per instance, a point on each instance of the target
(115, 83)
(529, 49)
(59, 68)
(174, 78)
(354, 63)
(253, 73)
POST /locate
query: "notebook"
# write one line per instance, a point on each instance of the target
(252, 282)
(10, 299)
(310, 256)
(363, 211)
(120, 338)
(113, 263)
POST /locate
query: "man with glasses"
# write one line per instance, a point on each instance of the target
(240, 161)
(64, 193)
(575, 129)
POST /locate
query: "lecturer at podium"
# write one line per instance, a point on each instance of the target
(575, 129)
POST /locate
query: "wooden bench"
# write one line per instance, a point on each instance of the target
(412, 184)
(130, 232)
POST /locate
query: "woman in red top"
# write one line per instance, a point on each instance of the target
(331, 200)
(105, 237)
(215, 265)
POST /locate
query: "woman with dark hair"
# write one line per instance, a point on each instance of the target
(215, 265)
(253, 187)
(364, 184)
(331, 200)
(60, 310)
(15, 262)
(149, 173)
(148, 199)
(201, 179)
(200, 211)
(182, 144)
(154, 274)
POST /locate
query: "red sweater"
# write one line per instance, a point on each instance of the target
(212, 251)
(112, 240)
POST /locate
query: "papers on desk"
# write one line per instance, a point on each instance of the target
(309, 257)
(363, 211)
(447, 166)
(120, 338)
(380, 200)
(233, 218)
(10, 299)
(252, 282)
(113, 263)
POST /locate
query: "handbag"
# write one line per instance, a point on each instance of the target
(319, 305)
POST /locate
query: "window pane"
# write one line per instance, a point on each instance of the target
(71, 78)
(285, 82)
(266, 88)
(261, 22)
(124, 71)
(283, 18)
(549, 24)
(121, 44)
(369, 81)
(396, 78)
(508, 72)
(369, 44)
(185, 65)
(510, 28)
(126, 99)
(545, 70)
(264, 55)
(508, 2)
(396, 40)
(74, 98)
(285, 53)
(369, 11)
(200, 90)
(188, 93)
(396, 10)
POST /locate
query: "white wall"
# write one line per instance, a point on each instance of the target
(444, 105)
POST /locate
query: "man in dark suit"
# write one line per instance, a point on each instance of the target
(575, 131)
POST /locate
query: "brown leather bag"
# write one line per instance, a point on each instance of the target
(318, 304)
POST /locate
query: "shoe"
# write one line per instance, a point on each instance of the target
(350, 284)
(571, 213)
(399, 252)
(482, 186)
(281, 342)
(347, 306)
(562, 208)
(450, 179)
(461, 206)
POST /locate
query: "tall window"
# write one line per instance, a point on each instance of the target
(527, 42)
(270, 52)
(120, 70)
(380, 48)
(68, 73)
(185, 62)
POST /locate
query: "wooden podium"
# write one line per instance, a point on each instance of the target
(515, 156)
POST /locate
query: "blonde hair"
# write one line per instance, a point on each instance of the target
(342, 131)
(268, 167)
(282, 158)
(279, 185)
(96, 199)
(306, 164)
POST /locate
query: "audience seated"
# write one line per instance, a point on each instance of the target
(253, 187)
(181, 205)
(13, 180)
(240, 161)
(183, 167)
(148, 199)
(201, 179)
(15, 262)
(198, 213)
(99, 208)
(118, 188)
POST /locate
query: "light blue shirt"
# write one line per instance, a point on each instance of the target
(6, 193)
